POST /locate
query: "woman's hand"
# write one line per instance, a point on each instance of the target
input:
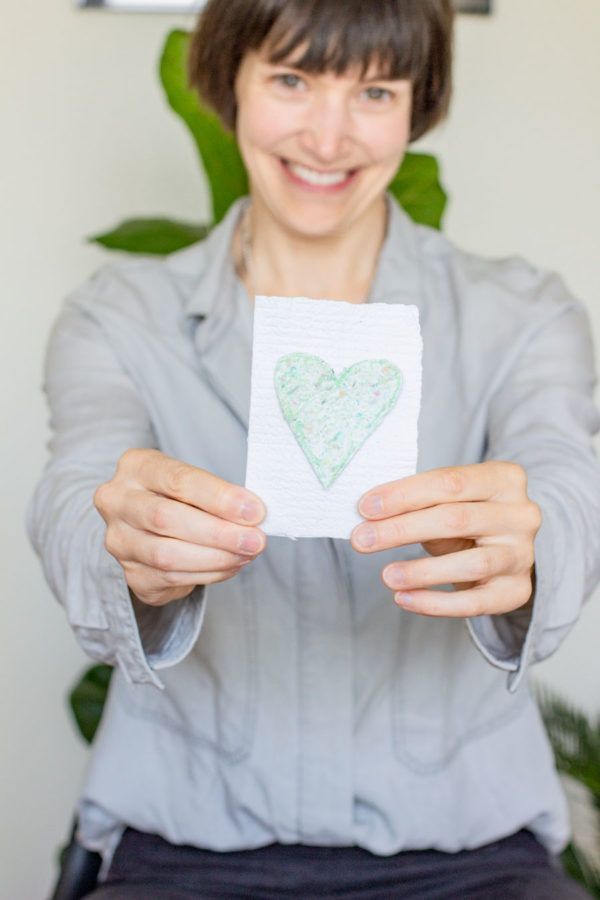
(173, 526)
(478, 522)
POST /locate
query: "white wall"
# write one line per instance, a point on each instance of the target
(86, 140)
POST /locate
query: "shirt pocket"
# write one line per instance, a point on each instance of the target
(444, 694)
(210, 698)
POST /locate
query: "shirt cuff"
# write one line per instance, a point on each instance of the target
(505, 640)
(168, 632)
(508, 640)
(148, 638)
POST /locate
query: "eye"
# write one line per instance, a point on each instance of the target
(378, 94)
(289, 80)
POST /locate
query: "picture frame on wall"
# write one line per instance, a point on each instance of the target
(481, 7)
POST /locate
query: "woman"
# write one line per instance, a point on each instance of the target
(277, 725)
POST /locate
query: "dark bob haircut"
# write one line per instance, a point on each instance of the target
(409, 39)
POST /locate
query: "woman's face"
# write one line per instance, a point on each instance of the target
(319, 149)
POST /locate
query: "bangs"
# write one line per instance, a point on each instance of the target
(318, 36)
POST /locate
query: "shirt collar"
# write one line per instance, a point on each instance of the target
(218, 264)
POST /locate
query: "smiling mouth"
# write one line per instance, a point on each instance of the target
(318, 179)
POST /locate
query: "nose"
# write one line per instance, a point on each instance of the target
(327, 132)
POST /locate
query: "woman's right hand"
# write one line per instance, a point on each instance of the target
(173, 526)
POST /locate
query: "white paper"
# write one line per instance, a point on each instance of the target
(341, 334)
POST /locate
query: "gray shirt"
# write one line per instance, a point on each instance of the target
(295, 702)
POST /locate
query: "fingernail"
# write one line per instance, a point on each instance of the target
(249, 542)
(403, 599)
(250, 510)
(395, 578)
(371, 505)
(365, 537)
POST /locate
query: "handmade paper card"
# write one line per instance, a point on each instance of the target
(334, 408)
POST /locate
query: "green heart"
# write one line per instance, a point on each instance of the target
(332, 416)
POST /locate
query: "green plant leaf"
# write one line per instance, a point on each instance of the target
(418, 189)
(217, 148)
(575, 740)
(578, 867)
(151, 236)
(87, 699)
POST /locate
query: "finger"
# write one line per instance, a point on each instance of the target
(163, 516)
(478, 481)
(197, 487)
(500, 595)
(479, 564)
(144, 576)
(171, 555)
(451, 520)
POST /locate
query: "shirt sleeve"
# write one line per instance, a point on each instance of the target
(96, 414)
(543, 417)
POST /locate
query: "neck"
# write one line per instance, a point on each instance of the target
(336, 267)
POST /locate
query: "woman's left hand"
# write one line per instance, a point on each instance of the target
(477, 522)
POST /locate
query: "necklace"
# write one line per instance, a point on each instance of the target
(246, 242)
(247, 255)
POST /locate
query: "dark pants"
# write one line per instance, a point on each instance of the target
(146, 867)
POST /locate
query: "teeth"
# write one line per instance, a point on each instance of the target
(323, 179)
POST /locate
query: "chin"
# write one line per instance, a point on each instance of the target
(314, 219)
(326, 217)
